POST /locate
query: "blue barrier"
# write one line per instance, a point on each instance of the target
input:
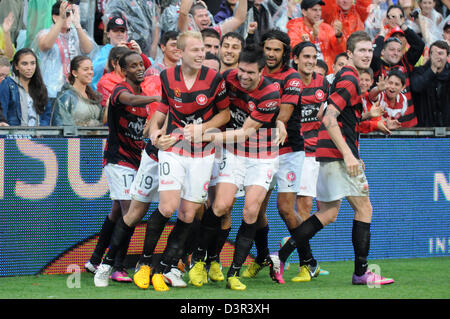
(53, 195)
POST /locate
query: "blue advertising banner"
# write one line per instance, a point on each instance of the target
(54, 198)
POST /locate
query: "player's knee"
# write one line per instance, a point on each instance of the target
(167, 209)
(221, 207)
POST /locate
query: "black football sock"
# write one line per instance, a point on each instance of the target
(193, 239)
(262, 244)
(243, 244)
(175, 246)
(155, 226)
(216, 246)
(103, 241)
(302, 234)
(208, 234)
(287, 249)
(361, 245)
(119, 241)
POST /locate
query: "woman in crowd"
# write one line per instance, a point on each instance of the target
(23, 95)
(77, 104)
(114, 76)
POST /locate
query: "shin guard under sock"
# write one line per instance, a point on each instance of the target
(243, 244)
(361, 245)
(155, 226)
(119, 242)
(103, 241)
(302, 234)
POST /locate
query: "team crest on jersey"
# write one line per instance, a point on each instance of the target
(205, 186)
(320, 95)
(277, 85)
(251, 106)
(177, 92)
(201, 99)
(291, 176)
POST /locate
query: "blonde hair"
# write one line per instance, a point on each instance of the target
(182, 38)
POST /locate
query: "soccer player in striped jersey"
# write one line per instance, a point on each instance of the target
(250, 160)
(314, 91)
(193, 100)
(276, 46)
(126, 118)
(341, 172)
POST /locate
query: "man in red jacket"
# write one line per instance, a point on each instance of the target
(311, 27)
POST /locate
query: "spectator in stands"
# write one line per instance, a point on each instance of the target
(328, 40)
(5, 67)
(211, 40)
(350, 15)
(446, 33)
(114, 76)
(57, 46)
(197, 17)
(427, 10)
(23, 96)
(430, 85)
(77, 104)
(116, 32)
(142, 21)
(266, 13)
(388, 55)
(171, 54)
(393, 101)
(428, 21)
(6, 43)
(225, 11)
(339, 61)
(16, 9)
(375, 122)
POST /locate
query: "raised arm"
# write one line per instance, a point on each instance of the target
(237, 20)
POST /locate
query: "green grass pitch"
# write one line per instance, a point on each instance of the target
(417, 278)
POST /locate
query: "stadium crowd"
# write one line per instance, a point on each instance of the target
(155, 68)
(93, 28)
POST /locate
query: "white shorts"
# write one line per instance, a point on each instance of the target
(120, 178)
(191, 175)
(310, 174)
(334, 183)
(244, 171)
(218, 162)
(145, 185)
(289, 172)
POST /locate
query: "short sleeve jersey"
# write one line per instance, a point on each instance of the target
(311, 98)
(262, 105)
(345, 95)
(126, 123)
(288, 82)
(196, 105)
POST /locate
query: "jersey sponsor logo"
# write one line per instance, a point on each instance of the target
(165, 182)
(294, 83)
(201, 99)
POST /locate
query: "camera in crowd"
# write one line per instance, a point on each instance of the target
(415, 13)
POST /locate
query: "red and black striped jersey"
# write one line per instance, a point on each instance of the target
(126, 124)
(196, 105)
(288, 82)
(409, 119)
(311, 98)
(262, 105)
(345, 95)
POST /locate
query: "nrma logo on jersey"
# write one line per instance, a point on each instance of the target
(441, 189)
